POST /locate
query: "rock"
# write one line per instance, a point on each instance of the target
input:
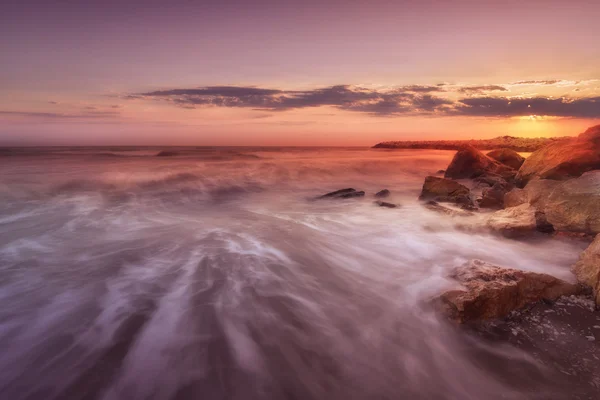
(441, 171)
(471, 163)
(507, 157)
(574, 205)
(490, 291)
(437, 207)
(494, 180)
(445, 190)
(563, 159)
(587, 269)
(166, 153)
(343, 194)
(492, 197)
(515, 197)
(382, 193)
(514, 221)
(385, 204)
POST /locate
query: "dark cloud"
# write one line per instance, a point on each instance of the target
(423, 88)
(482, 88)
(407, 100)
(506, 107)
(345, 97)
(538, 82)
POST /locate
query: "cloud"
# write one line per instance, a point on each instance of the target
(511, 107)
(52, 115)
(482, 88)
(404, 100)
(538, 82)
(344, 97)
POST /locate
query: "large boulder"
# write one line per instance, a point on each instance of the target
(470, 163)
(574, 205)
(507, 157)
(563, 159)
(490, 291)
(535, 193)
(445, 190)
(492, 197)
(587, 269)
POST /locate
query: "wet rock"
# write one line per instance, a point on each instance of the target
(166, 153)
(507, 157)
(382, 193)
(587, 269)
(494, 180)
(574, 205)
(441, 171)
(386, 204)
(515, 197)
(514, 221)
(563, 159)
(470, 163)
(343, 194)
(445, 190)
(492, 197)
(437, 207)
(489, 291)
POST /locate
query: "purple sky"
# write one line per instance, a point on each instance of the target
(294, 72)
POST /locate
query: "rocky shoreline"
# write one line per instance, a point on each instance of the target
(556, 190)
(502, 142)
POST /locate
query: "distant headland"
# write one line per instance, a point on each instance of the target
(509, 142)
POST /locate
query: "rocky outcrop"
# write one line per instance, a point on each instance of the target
(587, 269)
(507, 157)
(574, 205)
(490, 291)
(343, 194)
(564, 159)
(382, 193)
(470, 163)
(445, 190)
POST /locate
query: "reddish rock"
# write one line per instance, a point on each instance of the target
(492, 197)
(445, 190)
(564, 159)
(490, 291)
(587, 269)
(507, 157)
(436, 207)
(471, 163)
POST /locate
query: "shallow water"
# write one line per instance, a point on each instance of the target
(214, 274)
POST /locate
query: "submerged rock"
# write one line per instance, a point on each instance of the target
(563, 159)
(343, 194)
(587, 269)
(382, 193)
(437, 207)
(167, 153)
(507, 157)
(490, 291)
(445, 190)
(386, 204)
(470, 163)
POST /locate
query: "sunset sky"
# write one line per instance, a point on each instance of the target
(295, 72)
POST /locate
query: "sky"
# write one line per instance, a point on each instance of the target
(305, 73)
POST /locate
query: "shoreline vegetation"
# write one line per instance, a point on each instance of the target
(506, 142)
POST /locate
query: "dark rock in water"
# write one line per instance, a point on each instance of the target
(437, 207)
(445, 190)
(385, 204)
(470, 163)
(492, 197)
(343, 194)
(382, 193)
(507, 157)
(563, 159)
(495, 180)
(166, 153)
(441, 171)
(490, 291)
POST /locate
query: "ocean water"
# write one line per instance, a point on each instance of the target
(214, 274)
